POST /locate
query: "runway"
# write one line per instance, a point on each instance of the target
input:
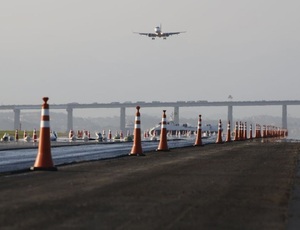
(237, 185)
(21, 156)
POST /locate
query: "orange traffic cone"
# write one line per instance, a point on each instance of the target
(109, 135)
(44, 159)
(71, 134)
(264, 135)
(236, 131)
(286, 132)
(240, 137)
(16, 135)
(137, 141)
(163, 144)
(245, 131)
(250, 132)
(219, 137)
(257, 131)
(198, 141)
(241, 131)
(228, 137)
(34, 136)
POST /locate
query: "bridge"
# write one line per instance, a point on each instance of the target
(154, 104)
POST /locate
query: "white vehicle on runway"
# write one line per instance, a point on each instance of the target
(173, 129)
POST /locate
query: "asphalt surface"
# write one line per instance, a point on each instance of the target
(238, 185)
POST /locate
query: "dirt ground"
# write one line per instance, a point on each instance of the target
(238, 185)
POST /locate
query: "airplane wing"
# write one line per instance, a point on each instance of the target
(147, 34)
(167, 34)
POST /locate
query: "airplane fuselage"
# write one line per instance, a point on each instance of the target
(158, 32)
(157, 29)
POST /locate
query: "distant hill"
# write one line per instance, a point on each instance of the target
(58, 122)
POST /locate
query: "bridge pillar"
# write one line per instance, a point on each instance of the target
(17, 122)
(70, 119)
(284, 116)
(176, 115)
(122, 119)
(230, 114)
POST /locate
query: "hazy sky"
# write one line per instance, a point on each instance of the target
(84, 50)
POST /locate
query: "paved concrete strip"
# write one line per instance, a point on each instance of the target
(239, 185)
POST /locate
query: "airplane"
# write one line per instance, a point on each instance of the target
(158, 33)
